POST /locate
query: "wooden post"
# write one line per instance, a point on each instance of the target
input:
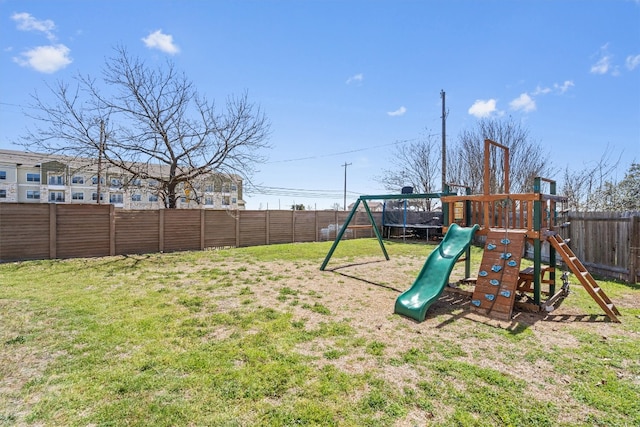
(267, 219)
(293, 226)
(53, 231)
(537, 246)
(161, 230)
(202, 226)
(634, 250)
(237, 229)
(112, 230)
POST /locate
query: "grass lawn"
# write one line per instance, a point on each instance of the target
(260, 336)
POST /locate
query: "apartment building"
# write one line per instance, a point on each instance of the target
(43, 178)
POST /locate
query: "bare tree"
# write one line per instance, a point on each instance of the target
(415, 164)
(151, 123)
(527, 160)
(587, 189)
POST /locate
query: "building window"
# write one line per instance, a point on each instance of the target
(153, 198)
(56, 180)
(153, 183)
(3, 194)
(136, 182)
(115, 198)
(33, 194)
(56, 196)
(183, 199)
(33, 177)
(94, 196)
(234, 200)
(234, 187)
(225, 200)
(3, 174)
(77, 196)
(136, 197)
(208, 188)
(116, 183)
(77, 180)
(225, 187)
(208, 201)
(94, 180)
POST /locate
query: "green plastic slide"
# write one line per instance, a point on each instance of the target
(434, 276)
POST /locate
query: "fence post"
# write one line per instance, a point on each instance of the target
(634, 249)
(161, 230)
(267, 220)
(202, 225)
(315, 223)
(238, 229)
(293, 226)
(53, 231)
(112, 230)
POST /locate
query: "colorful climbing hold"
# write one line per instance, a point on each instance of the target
(496, 268)
(491, 246)
(489, 297)
(512, 263)
(505, 255)
(494, 282)
(475, 302)
(482, 273)
(505, 294)
(505, 241)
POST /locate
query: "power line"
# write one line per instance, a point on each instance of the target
(357, 150)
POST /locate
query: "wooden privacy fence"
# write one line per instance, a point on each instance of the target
(607, 243)
(47, 231)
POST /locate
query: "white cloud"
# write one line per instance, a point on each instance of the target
(160, 41)
(524, 102)
(26, 22)
(357, 78)
(564, 86)
(541, 91)
(482, 108)
(605, 65)
(633, 61)
(399, 112)
(45, 59)
(602, 66)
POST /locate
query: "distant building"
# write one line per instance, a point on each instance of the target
(43, 178)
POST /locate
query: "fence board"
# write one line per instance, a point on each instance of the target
(137, 232)
(253, 228)
(181, 230)
(24, 232)
(220, 229)
(281, 226)
(82, 230)
(604, 242)
(305, 226)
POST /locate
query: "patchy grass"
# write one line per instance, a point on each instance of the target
(259, 336)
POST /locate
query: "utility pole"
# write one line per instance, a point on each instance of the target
(444, 141)
(345, 184)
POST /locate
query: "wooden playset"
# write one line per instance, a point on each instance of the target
(508, 222)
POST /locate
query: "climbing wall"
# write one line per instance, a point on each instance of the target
(495, 290)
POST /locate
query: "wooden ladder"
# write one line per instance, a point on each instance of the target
(587, 280)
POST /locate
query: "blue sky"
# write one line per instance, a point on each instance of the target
(343, 81)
